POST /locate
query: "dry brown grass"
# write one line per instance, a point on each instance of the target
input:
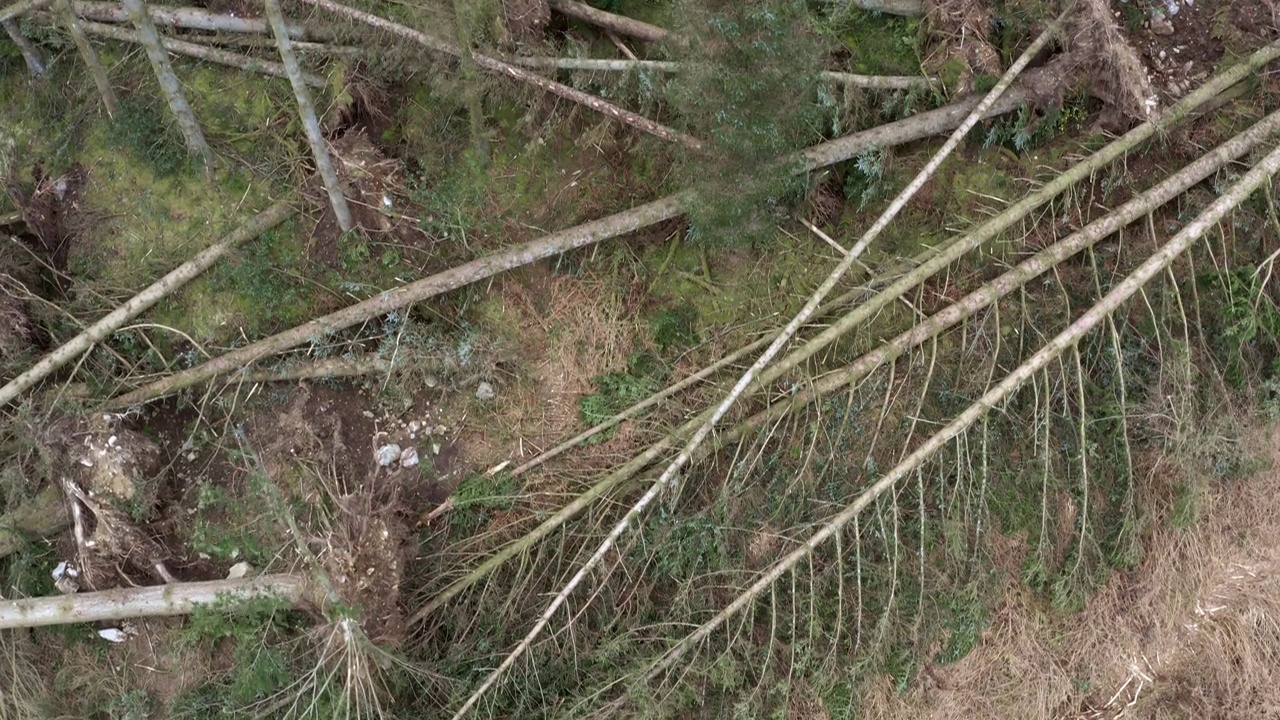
(573, 329)
(1193, 631)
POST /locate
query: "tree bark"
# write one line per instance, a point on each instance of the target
(876, 82)
(144, 602)
(607, 20)
(178, 277)
(35, 64)
(190, 18)
(498, 67)
(88, 55)
(307, 112)
(204, 52)
(178, 105)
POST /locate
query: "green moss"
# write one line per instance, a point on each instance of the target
(880, 44)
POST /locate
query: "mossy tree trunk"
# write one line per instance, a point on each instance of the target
(178, 105)
(88, 55)
(307, 112)
(29, 52)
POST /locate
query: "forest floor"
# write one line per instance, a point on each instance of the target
(491, 375)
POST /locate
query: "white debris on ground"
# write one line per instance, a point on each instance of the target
(65, 578)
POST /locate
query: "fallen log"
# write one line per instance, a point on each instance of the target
(175, 279)
(203, 52)
(614, 23)
(145, 602)
(187, 18)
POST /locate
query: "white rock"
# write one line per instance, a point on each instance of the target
(388, 454)
(115, 635)
(409, 457)
(239, 570)
(485, 391)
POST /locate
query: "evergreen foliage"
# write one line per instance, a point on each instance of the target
(751, 93)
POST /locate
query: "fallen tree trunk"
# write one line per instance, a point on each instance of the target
(204, 52)
(876, 82)
(906, 8)
(192, 133)
(88, 55)
(1068, 338)
(114, 320)
(187, 18)
(914, 128)
(614, 23)
(307, 114)
(144, 602)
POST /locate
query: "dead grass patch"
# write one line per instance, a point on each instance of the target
(1193, 631)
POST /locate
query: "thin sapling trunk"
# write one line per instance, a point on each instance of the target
(307, 113)
(35, 63)
(88, 55)
(178, 105)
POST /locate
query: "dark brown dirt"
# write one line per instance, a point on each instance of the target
(49, 207)
(1202, 34)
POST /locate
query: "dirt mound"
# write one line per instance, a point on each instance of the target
(526, 19)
